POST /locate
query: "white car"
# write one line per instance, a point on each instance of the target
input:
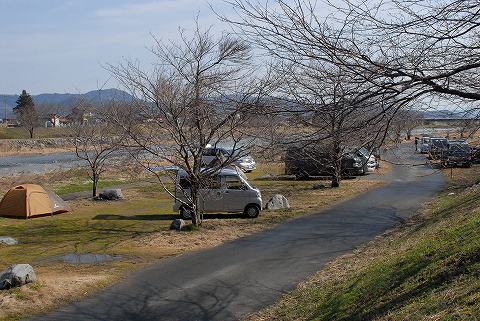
(227, 191)
(372, 163)
(246, 163)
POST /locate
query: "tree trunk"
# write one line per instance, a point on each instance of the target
(337, 165)
(30, 131)
(336, 176)
(94, 185)
(335, 181)
(196, 218)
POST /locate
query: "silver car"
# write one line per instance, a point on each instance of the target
(227, 191)
(246, 163)
(423, 145)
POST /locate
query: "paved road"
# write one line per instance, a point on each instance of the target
(240, 277)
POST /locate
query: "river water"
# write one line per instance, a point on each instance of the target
(37, 164)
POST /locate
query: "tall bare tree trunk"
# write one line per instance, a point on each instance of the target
(196, 219)
(94, 185)
(336, 176)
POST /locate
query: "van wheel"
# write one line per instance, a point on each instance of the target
(185, 213)
(251, 211)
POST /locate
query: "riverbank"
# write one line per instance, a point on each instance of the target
(36, 146)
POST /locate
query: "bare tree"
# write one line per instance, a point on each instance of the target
(403, 123)
(420, 48)
(201, 92)
(336, 115)
(97, 142)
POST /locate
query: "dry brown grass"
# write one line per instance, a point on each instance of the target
(6, 151)
(56, 284)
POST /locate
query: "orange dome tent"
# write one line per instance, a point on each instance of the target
(30, 200)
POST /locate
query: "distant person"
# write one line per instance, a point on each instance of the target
(416, 143)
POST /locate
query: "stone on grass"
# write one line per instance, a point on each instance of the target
(318, 186)
(111, 195)
(278, 201)
(7, 240)
(17, 275)
(177, 224)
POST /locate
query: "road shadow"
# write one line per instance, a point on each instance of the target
(140, 217)
(163, 217)
(223, 216)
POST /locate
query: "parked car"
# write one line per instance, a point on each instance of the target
(227, 191)
(355, 163)
(457, 141)
(437, 147)
(458, 154)
(423, 145)
(245, 162)
(475, 155)
(305, 162)
(372, 163)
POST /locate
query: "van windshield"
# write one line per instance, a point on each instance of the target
(234, 182)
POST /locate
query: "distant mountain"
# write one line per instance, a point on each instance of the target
(449, 114)
(66, 101)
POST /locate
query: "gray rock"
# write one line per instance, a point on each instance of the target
(177, 224)
(111, 195)
(278, 201)
(17, 275)
(318, 186)
(7, 240)
(266, 177)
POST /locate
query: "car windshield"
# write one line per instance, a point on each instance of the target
(460, 148)
(439, 142)
(364, 152)
(238, 153)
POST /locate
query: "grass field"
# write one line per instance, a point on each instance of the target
(428, 269)
(41, 132)
(137, 229)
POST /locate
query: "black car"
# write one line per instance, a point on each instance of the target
(457, 155)
(437, 148)
(305, 162)
(475, 155)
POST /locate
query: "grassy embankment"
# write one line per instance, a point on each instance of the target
(22, 133)
(137, 229)
(428, 269)
(66, 182)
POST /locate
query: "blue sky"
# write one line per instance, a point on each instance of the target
(61, 46)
